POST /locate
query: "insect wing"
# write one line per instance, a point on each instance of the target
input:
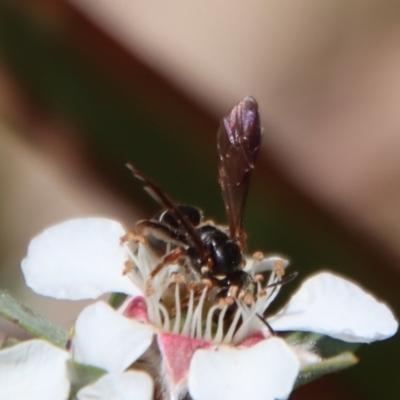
(238, 143)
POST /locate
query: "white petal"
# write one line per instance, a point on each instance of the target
(78, 259)
(108, 340)
(265, 371)
(125, 386)
(34, 370)
(333, 306)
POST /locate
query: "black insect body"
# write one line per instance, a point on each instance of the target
(212, 252)
(164, 229)
(224, 254)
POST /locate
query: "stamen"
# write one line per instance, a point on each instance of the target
(258, 256)
(243, 330)
(279, 268)
(271, 278)
(261, 293)
(145, 262)
(154, 310)
(271, 296)
(149, 287)
(233, 291)
(165, 302)
(208, 330)
(128, 267)
(199, 324)
(232, 328)
(248, 298)
(163, 286)
(164, 312)
(135, 274)
(189, 315)
(178, 309)
(132, 235)
(207, 282)
(220, 329)
(195, 330)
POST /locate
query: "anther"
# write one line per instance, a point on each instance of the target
(149, 287)
(178, 278)
(225, 301)
(129, 266)
(132, 235)
(262, 293)
(248, 298)
(207, 282)
(233, 291)
(279, 268)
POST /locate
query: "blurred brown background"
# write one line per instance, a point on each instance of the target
(87, 85)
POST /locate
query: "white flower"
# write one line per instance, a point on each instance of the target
(34, 370)
(84, 259)
(119, 386)
(108, 340)
(335, 307)
(79, 259)
(37, 370)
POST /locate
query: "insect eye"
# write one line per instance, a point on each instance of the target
(193, 214)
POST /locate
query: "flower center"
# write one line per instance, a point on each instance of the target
(177, 301)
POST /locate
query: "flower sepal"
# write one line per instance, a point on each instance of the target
(81, 375)
(337, 363)
(320, 354)
(116, 300)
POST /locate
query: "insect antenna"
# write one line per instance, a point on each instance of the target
(283, 281)
(264, 321)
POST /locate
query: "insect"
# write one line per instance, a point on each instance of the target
(179, 233)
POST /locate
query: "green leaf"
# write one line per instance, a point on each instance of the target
(31, 321)
(82, 375)
(326, 366)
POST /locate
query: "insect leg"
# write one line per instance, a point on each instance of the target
(166, 260)
(146, 229)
